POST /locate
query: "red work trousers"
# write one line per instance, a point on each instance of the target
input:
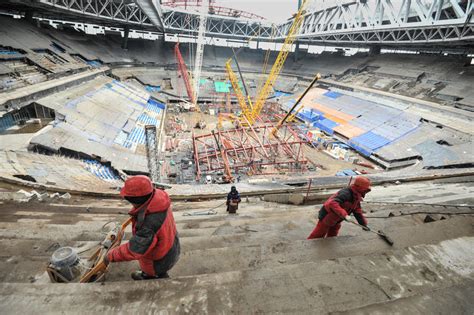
(322, 230)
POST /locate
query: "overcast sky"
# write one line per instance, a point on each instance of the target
(273, 10)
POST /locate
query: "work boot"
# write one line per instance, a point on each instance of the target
(140, 275)
(163, 276)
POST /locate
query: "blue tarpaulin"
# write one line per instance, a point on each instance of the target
(347, 172)
(9, 52)
(308, 116)
(100, 170)
(153, 88)
(368, 142)
(280, 93)
(147, 120)
(6, 122)
(332, 94)
(326, 125)
(94, 63)
(155, 106)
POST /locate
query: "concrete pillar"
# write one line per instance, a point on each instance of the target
(374, 50)
(29, 18)
(297, 50)
(297, 44)
(126, 31)
(29, 15)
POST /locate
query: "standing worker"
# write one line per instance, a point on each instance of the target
(233, 200)
(155, 242)
(339, 207)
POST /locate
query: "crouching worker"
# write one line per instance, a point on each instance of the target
(233, 200)
(155, 242)
(339, 207)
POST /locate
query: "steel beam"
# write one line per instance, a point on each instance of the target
(152, 9)
(355, 23)
(121, 11)
(405, 23)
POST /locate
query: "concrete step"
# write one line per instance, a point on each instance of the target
(268, 253)
(457, 299)
(325, 286)
(87, 227)
(84, 223)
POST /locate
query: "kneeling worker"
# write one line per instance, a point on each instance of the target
(339, 207)
(155, 242)
(233, 200)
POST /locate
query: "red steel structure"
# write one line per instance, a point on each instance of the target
(183, 71)
(249, 150)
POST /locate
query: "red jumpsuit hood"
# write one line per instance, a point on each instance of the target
(361, 185)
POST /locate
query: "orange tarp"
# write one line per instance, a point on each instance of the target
(309, 103)
(330, 113)
(349, 131)
(310, 96)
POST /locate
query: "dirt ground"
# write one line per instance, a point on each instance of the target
(330, 166)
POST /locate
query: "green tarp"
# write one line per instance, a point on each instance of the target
(225, 86)
(221, 87)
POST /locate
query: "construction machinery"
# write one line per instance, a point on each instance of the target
(201, 41)
(66, 266)
(267, 87)
(225, 117)
(246, 109)
(291, 115)
(183, 71)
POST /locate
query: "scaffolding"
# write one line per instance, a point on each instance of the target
(249, 151)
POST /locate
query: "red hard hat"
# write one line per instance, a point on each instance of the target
(361, 183)
(137, 186)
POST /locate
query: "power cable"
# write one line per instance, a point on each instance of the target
(204, 212)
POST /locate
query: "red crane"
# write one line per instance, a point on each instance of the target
(183, 70)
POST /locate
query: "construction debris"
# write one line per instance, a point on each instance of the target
(25, 196)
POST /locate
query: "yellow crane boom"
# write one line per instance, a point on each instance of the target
(278, 65)
(246, 110)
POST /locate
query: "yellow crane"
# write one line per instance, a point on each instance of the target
(278, 65)
(246, 109)
(252, 111)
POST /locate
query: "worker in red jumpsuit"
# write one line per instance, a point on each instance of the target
(339, 207)
(155, 242)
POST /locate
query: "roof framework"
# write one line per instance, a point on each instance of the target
(355, 23)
